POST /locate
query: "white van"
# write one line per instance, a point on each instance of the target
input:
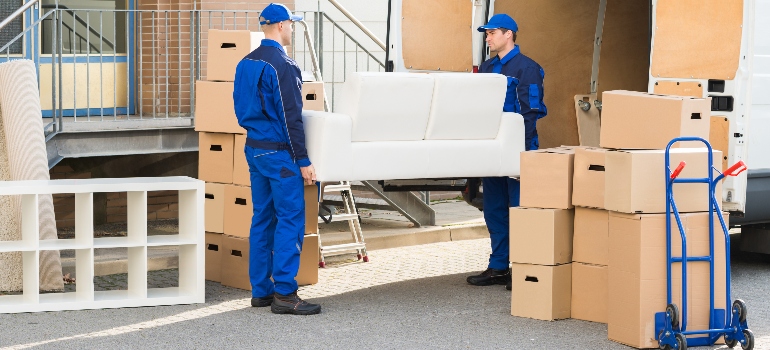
(687, 47)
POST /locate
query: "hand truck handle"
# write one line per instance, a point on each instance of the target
(736, 169)
(678, 170)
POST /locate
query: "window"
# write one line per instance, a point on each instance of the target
(87, 26)
(11, 30)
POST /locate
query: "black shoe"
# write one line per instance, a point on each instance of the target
(262, 301)
(292, 304)
(490, 277)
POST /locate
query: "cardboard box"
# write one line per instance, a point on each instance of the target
(589, 292)
(215, 109)
(311, 209)
(313, 96)
(546, 178)
(635, 180)
(235, 262)
(588, 178)
(308, 261)
(225, 49)
(541, 236)
(215, 157)
(639, 120)
(238, 211)
(637, 274)
(591, 239)
(241, 175)
(541, 292)
(215, 207)
(214, 251)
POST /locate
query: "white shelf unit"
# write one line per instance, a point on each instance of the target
(190, 241)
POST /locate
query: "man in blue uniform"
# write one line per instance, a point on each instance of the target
(524, 96)
(268, 104)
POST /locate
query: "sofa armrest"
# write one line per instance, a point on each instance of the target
(512, 140)
(328, 142)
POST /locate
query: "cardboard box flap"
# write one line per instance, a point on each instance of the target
(214, 200)
(662, 96)
(546, 178)
(591, 239)
(589, 177)
(541, 236)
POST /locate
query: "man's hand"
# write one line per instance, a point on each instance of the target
(308, 173)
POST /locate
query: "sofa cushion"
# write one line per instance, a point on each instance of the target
(387, 106)
(457, 111)
(390, 160)
(463, 158)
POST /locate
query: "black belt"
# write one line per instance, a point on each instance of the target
(275, 146)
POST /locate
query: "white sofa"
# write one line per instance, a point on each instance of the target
(411, 126)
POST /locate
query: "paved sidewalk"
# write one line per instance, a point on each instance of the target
(455, 220)
(410, 297)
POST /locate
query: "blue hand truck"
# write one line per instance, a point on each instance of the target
(670, 333)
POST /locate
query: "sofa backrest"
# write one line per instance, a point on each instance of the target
(466, 106)
(387, 106)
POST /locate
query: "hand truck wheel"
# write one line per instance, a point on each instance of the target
(740, 307)
(749, 342)
(321, 264)
(681, 341)
(673, 313)
(366, 258)
(731, 343)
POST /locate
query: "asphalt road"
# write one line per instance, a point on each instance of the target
(411, 297)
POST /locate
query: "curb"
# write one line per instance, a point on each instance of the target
(418, 236)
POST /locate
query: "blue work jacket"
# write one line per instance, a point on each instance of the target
(268, 101)
(525, 89)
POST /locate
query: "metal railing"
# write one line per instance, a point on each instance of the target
(92, 69)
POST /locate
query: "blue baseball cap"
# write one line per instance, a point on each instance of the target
(500, 20)
(275, 13)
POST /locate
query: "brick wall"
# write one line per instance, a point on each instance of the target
(160, 204)
(165, 44)
(165, 65)
(64, 204)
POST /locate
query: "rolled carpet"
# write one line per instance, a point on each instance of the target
(10, 223)
(25, 153)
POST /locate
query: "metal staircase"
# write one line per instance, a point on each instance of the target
(152, 110)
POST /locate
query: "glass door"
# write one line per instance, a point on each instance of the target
(94, 39)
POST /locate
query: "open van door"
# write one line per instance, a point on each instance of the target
(434, 35)
(700, 48)
(703, 48)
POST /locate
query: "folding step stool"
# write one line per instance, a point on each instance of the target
(351, 216)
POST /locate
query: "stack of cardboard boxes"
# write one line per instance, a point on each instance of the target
(590, 253)
(541, 232)
(222, 164)
(637, 127)
(608, 265)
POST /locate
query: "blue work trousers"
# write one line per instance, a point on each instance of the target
(500, 193)
(278, 224)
